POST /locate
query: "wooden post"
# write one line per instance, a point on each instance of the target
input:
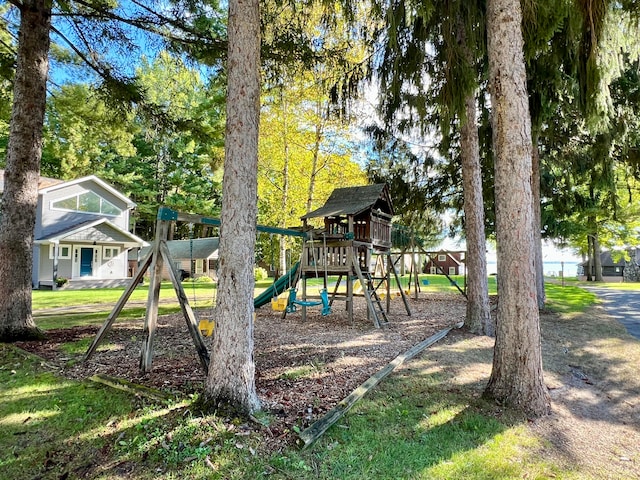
(387, 274)
(404, 297)
(304, 295)
(151, 316)
(187, 311)
(350, 298)
(56, 253)
(106, 326)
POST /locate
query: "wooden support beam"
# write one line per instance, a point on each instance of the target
(106, 326)
(314, 431)
(395, 274)
(153, 298)
(133, 388)
(367, 296)
(187, 311)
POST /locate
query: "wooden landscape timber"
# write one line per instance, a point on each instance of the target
(317, 429)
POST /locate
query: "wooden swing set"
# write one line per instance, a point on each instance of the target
(158, 256)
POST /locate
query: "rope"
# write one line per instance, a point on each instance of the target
(191, 269)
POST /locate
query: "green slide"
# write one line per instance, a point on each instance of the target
(277, 288)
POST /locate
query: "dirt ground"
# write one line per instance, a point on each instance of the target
(303, 369)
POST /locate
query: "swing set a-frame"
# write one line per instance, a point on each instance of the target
(155, 260)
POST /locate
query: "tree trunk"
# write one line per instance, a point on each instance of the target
(22, 173)
(231, 378)
(478, 314)
(597, 259)
(537, 223)
(316, 156)
(516, 378)
(284, 205)
(589, 259)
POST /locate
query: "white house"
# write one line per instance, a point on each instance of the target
(81, 233)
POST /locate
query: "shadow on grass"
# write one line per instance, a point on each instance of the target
(419, 425)
(53, 428)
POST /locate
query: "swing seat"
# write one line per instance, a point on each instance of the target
(206, 327)
(326, 308)
(278, 304)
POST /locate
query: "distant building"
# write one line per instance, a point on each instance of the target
(81, 233)
(192, 258)
(616, 266)
(444, 262)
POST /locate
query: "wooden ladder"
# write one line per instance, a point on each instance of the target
(374, 303)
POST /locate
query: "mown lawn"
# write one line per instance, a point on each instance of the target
(415, 425)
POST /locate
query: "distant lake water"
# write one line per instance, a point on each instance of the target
(551, 269)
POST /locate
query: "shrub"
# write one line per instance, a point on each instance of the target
(61, 281)
(204, 279)
(260, 273)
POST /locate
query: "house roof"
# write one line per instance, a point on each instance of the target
(43, 182)
(450, 255)
(197, 248)
(101, 230)
(90, 178)
(607, 261)
(354, 200)
(46, 184)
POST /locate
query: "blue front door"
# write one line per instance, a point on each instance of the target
(86, 262)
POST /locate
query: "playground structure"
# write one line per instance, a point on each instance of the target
(355, 244)
(157, 257)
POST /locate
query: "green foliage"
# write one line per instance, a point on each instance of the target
(167, 150)
(204, 279)
(260, 273)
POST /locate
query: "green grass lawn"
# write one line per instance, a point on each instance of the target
(412, 426)
(415, 425)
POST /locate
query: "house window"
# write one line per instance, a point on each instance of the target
(110, 252)
(86, 202)
(64, 252)
(433, 270)
(452, 270)
(442, 258)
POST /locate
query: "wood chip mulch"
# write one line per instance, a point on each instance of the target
(303, 369)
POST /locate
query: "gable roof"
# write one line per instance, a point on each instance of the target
(101, 230)
(200, 248)
(354, 200)
(89, 178)
(47, 184)
(606, 259)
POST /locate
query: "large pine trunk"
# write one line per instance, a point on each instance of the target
(478, 314)
(20, 197)
(537, 223)
(231, 378)
(516, 378)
